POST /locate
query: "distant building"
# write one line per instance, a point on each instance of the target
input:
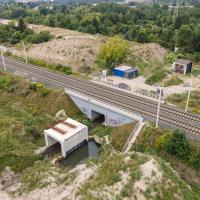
(182, 66)
(126, 71)
(69, 133)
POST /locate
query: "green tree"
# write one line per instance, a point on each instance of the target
(184, 36)
(15, 37)
(196, 40)
(21, 25)
(195, 158)
(142, 36)
(113, 52)
(177, 144)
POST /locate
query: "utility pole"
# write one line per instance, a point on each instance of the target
(25, 52)
(159, 101)
(4, 64)
(189, 92)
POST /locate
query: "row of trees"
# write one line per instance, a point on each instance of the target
(15, 33)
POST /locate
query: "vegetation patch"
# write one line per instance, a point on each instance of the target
(43, 173)
(174, 147)
(16, 33)
(173, 81)
(113, 52)
(26, 109)
(118, 135)
(101, 131)
(180, 101)
(55, 67)
(144, 24)
(157, 76)
(160, 182)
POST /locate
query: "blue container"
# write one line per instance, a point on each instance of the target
(118, 72)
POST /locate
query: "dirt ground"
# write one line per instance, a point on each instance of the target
(78, 50)
(68, 47)
(138, 85)
(54, 192)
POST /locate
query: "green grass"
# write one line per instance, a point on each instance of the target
(24, 113)
(156, 77)
(118, 135)
(173, 81)
(156, 142)
(169, 187)
(55, 67)
(107, 174)
(37, 176)
(180, 101)
(180, 187)
(101, 131)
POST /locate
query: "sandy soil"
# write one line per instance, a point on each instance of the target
(138, 85)
(54, 192)
(109, 192)
(73, 49)
(79, 50)
(149, 51)
(150, 174)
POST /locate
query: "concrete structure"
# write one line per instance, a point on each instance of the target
(104, 73)
(69, 133)
(93, 108)
(125, 71)
(124, 86)
(130, 106)
(182, 66)
(131, 73)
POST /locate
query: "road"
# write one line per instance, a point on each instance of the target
(169, 116)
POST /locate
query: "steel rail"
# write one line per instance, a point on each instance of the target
(124, 94)
(124, 107)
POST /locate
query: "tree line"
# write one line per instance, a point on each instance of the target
(16, 32)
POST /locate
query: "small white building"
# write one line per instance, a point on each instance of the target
(182, 66)
(104, 73)
(69, 133)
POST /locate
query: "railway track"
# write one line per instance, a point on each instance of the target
(126, 95)
(126, 101)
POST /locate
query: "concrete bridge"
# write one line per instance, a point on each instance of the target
(118, 107)
(92, 108)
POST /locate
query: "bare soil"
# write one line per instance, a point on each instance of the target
(80, 50)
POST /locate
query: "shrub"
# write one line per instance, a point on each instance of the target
(160, 141)
(33, 86)
(43, 36)
(101, 131)
(177, 144)
(15, 37)
(113, 52)
(156, 77)
(44, 92)
(39, 87)
(173, 81)
(63, 68)
(195, 159)
(5, 83)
